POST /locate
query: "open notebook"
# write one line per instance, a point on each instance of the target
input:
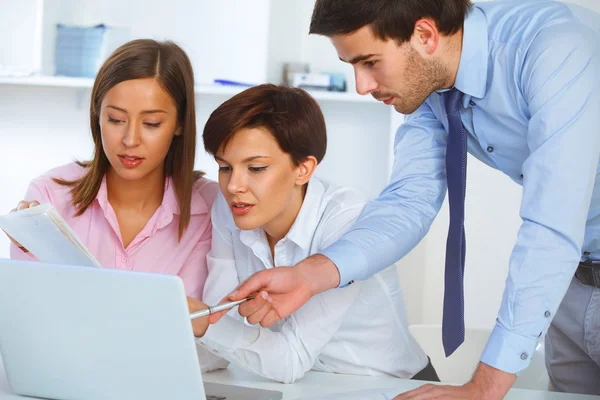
(43, 232)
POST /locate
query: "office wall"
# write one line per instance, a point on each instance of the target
(14, 52)
(207, 30)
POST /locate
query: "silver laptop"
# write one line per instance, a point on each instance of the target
(93, 333)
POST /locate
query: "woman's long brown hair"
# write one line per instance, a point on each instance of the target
(171, 67)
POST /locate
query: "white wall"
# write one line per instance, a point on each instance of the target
(21, 21)
(207, 30)
(39, 128)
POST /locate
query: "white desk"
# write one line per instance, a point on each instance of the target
(319, 383)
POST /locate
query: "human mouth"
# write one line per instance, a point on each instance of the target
(238, 208)
(385, 98)
(130, 161)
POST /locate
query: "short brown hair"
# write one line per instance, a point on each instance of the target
(291, 115)
(170, 66)
(389, 19)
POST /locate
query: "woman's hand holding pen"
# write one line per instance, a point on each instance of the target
(200, 325)
(21, 206)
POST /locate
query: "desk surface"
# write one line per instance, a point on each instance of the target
(322, 384)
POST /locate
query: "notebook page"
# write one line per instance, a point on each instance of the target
(47, 236)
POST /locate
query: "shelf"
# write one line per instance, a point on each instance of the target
(87, 83)
(51, 81)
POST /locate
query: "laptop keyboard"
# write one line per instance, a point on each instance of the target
(208, 397)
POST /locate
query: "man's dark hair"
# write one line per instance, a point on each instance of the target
(389, 19)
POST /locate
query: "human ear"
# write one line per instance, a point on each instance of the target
(305, 170)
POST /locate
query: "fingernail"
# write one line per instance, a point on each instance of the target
(233, 293)
(270, 299)
(264, 295)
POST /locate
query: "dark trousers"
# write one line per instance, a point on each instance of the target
(427, 374)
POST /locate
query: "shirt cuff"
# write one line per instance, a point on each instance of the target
(350, 264)
(228, 335)
(508, 351)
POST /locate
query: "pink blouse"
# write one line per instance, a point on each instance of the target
(155, 249)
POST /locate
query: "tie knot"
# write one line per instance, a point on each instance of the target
(453, 99)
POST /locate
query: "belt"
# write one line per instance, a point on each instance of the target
(588, 273)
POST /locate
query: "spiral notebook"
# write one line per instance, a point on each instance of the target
(47, 236)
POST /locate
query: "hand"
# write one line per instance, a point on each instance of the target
(21, 206)
(488, 383)
(199, 325)
(281, 291)
(466, 392)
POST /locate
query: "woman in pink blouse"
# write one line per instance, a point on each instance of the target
(138, 204)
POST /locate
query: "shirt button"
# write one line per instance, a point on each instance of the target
(471, 103)
(524, 356)
(350, 283)
(521, 176)
(547, 314)
(490, 149)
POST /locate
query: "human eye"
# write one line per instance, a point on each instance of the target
(257, 169)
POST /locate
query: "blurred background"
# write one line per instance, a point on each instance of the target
(44, 118)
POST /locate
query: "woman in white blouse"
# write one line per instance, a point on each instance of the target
(272, 211)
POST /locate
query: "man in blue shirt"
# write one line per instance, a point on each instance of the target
(524, 78)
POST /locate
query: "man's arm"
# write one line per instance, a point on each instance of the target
(562, 86)
(395, 222)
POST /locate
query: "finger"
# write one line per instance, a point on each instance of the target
(271, 318)
(215, 317)
(250, 307)
(258, 303)
(22, 205)
(435, 393)
(253, 284)
(419, 393)
(258, 316)
(34, 203)
(199, 326)
(193, 304)
(13, 240)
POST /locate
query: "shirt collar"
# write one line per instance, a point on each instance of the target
(303, 229)
(471, 78)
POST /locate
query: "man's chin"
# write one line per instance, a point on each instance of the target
(403, 109)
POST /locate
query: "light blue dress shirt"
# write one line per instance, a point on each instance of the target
(530, 74)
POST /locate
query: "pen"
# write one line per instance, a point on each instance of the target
(211, 310)
(232, 83)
